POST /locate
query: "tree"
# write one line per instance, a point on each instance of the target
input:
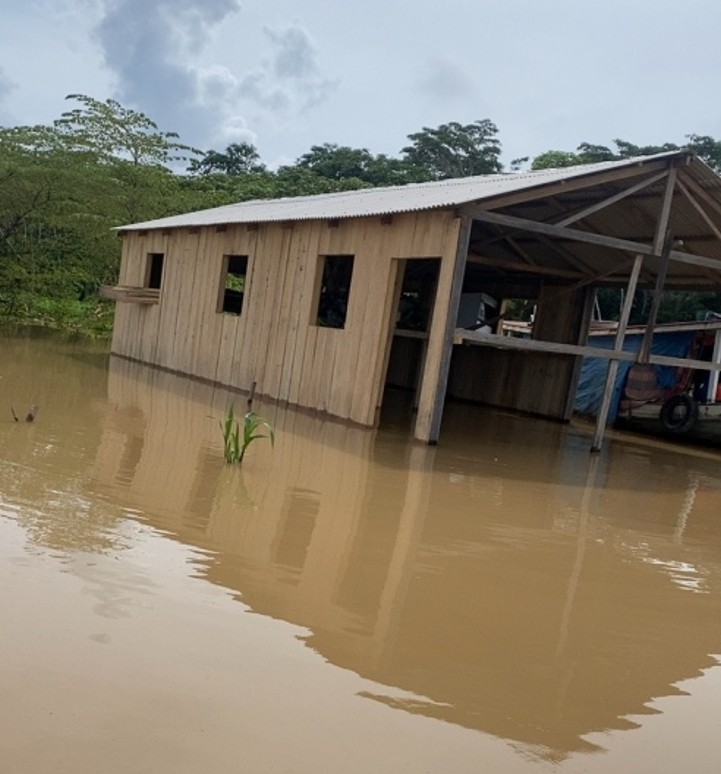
(627, 150)
(55, 237)
(341, 162)
(555, 159)
(238, 159)
(111, 132)
(589, 153)
(62, 189)
(300, 181)
(706, 148)
(455, 150)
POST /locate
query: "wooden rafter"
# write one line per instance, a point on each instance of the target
(518, 249)
(576, 235)
(617, 197)
(566, 255)
(506, 264)
(697, 206)
(575, 184)
(703, 194)
(704, 216)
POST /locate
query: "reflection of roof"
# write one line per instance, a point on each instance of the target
(397, 199)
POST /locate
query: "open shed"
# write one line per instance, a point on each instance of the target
(323, 300)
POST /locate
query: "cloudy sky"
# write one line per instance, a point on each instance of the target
(286, 75)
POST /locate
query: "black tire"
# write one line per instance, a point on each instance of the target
(679, 413)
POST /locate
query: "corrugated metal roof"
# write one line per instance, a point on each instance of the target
(385, 201)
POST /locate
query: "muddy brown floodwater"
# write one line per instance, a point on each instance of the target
(348, 601)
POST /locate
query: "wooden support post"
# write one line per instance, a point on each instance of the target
(662, 244)
(608, 389)
(441, 335)
(663, 239)
(715, 358)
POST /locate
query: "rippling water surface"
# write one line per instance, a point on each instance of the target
(347, 601)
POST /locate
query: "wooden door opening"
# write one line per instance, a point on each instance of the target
(413, 309)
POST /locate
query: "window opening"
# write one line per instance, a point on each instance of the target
(232, 289)
(334, 290)
(154, 270)
(418, 292)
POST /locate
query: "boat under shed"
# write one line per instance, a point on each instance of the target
(322, 301)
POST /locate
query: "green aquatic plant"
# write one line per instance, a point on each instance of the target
(234, 444)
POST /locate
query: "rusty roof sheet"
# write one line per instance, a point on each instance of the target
(398, 199)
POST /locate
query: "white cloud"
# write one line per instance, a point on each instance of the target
(150, 45)
(161, 53)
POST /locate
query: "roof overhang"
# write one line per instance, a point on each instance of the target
(589, 230)
(580, 224)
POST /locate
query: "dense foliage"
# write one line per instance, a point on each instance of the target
(64, 187)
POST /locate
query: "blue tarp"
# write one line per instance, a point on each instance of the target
(594, 369)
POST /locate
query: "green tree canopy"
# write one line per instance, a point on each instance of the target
(341, 162)
(455, 150)
(707, 148)
(112, 131)
(237, 159)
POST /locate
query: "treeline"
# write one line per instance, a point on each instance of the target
(64, 187)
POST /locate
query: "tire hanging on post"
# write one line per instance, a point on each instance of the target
(679, 413)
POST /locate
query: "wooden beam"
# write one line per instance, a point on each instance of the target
(566, 255)
(570, 184)
(463, 336)
(663, 240)
(703, 194)
(704, 215)
(716, 358)
(434, 380)
(611, 199)
(519, 250)
(575, 235)
(561, 232)
(130, 294)
(610, 383)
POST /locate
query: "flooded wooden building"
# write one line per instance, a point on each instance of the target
(322, 301)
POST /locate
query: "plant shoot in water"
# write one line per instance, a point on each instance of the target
(236, 445)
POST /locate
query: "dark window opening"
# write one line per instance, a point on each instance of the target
(154, 271)
(334, 290)
(232, 289)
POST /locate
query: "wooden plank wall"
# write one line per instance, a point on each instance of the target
(275, 341)
(535, 382)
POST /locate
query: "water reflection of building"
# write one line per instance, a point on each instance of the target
(506, 584)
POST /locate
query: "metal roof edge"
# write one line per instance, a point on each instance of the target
(413, 197)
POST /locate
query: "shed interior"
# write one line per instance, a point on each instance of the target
(552, 248)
